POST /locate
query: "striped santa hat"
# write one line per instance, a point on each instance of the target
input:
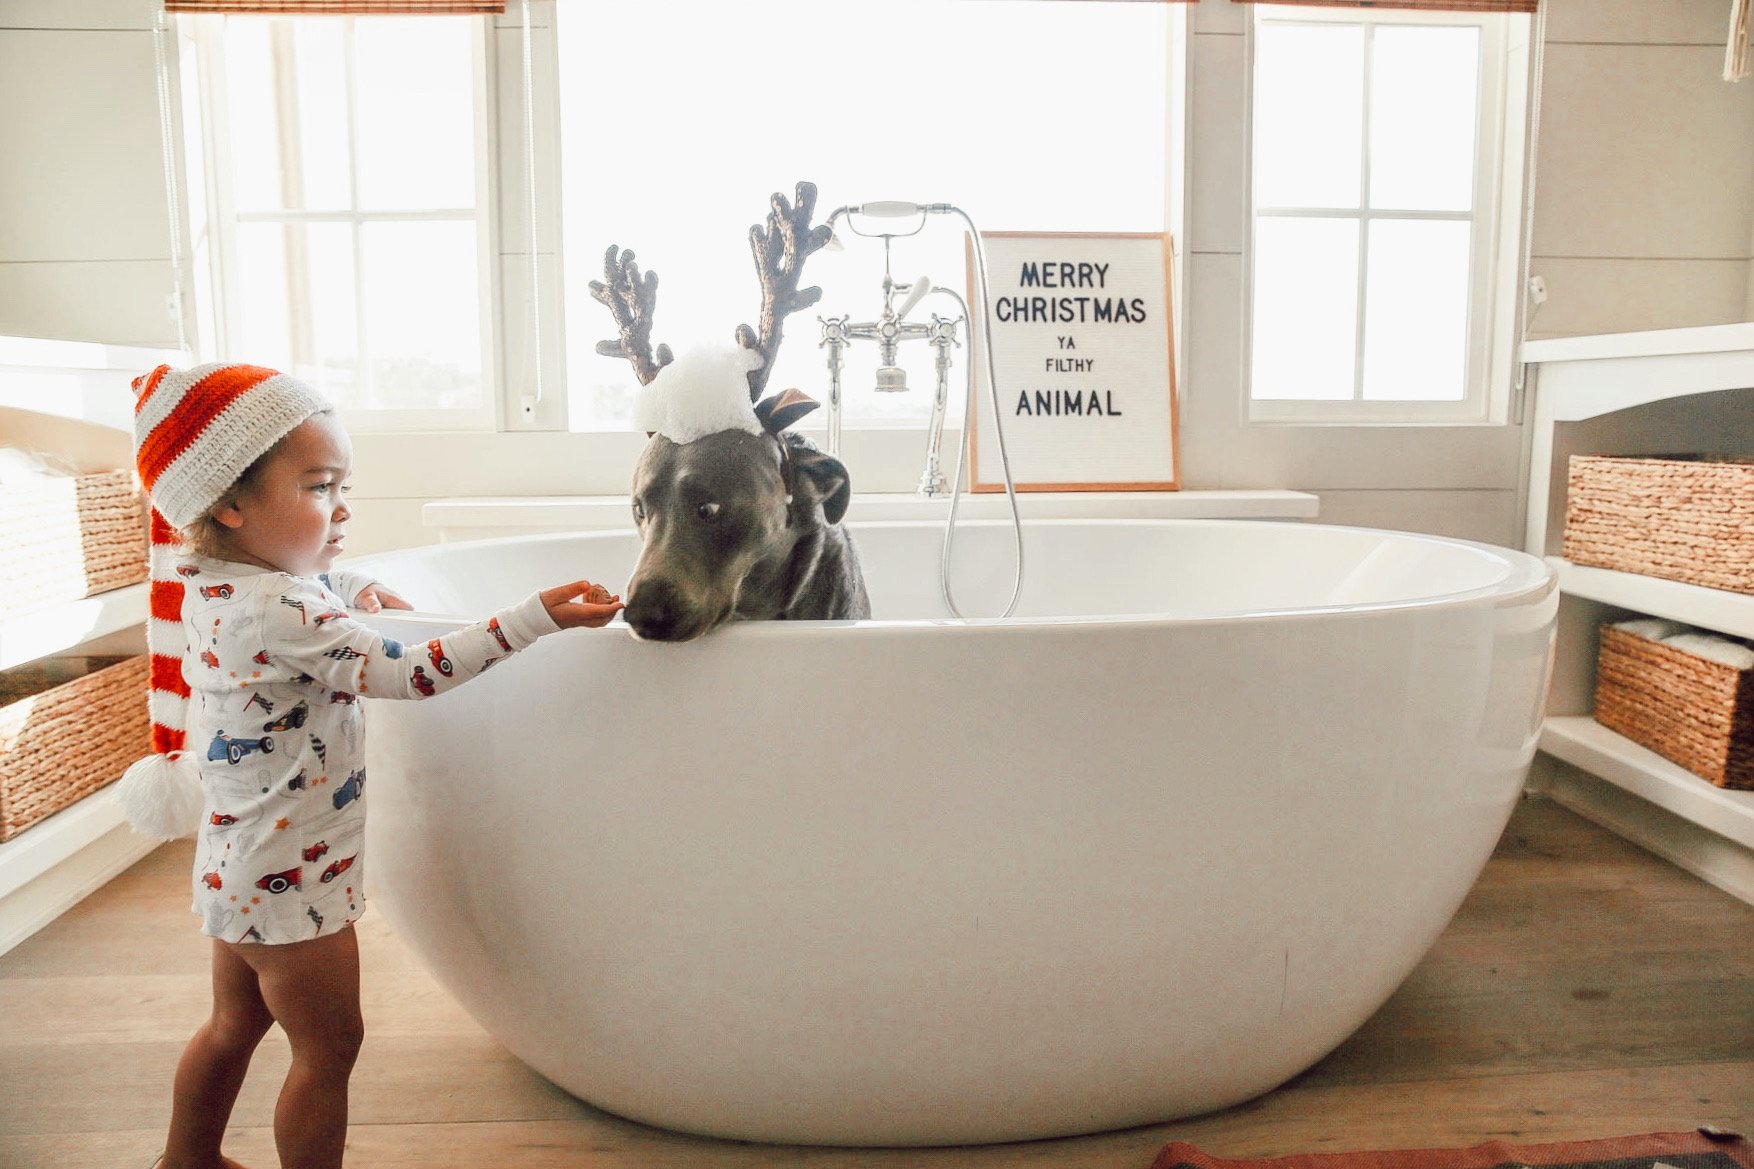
(196, 431)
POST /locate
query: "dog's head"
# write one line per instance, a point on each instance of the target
(720, 518)
(721, 495)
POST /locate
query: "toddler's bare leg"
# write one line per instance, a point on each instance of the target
(211, 1072)
(312, 990)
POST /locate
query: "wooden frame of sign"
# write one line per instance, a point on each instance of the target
(1084, 352)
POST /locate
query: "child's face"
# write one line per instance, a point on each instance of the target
(291, 513)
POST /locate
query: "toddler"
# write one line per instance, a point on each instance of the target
(257, 671)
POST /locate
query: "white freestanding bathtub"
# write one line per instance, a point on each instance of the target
(1148, 849)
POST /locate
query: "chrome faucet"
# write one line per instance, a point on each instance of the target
(890, 330)
(839, 332)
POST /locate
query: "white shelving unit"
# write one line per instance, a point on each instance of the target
(53, 864)
(1585, 743)
(1663, 392)
(53, 629)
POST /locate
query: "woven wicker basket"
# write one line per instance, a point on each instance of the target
(61, 742)
(67, 537)
(1681, 517)
(1690, 710)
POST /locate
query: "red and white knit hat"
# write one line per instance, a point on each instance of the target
(196, 431)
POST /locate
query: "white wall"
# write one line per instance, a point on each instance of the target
(1644, 204)
(84, 237)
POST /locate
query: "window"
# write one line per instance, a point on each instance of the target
(1385, 174)
(354, 239)
(350, 224)
(1030, 116)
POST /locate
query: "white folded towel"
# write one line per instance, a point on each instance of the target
(1652, 628)
(20, 468)
(1713, 648)
(1725, 650)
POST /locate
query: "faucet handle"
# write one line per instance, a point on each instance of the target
(916, 292)
(834, 331)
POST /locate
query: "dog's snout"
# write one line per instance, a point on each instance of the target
(657, 610)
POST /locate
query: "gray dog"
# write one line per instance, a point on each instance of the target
(737, 526)
(740, 527)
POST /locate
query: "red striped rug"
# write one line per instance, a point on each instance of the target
(1704, 1148)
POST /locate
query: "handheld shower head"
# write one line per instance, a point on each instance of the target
(888, 209)
(896, 208)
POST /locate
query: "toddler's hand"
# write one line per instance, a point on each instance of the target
(570, 605)
(375, 596)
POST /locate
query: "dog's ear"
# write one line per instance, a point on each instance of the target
(823, 475)
(778, 411)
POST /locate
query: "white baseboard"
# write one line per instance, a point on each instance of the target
(1700, 851)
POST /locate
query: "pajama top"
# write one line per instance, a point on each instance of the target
(276, 667)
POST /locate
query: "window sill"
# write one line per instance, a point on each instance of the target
(477, 517)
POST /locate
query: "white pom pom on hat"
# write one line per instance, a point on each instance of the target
(196, 431)
(704, 391)
(161, 796)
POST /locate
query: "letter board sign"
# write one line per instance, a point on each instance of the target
(1084, 354)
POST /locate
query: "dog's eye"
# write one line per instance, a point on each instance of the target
(639, 510)
(707, 511)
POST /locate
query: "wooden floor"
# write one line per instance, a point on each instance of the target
(1586, 989)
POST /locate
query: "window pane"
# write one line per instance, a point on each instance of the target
(319, 50)
(286, 85)
(297, 304)
(923, 101)
(1416, 311)
(1424, 93)
(250, 109)
(263, 325)
(416, 113)
(423, 315)
(1305, 309)
(1309, 114)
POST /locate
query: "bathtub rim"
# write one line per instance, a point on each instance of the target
(1527, 579)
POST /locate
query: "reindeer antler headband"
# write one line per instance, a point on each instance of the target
(780, 249)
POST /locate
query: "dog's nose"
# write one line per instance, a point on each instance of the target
(654, 609)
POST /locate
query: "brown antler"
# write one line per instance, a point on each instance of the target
(631, 301)
(780, 251)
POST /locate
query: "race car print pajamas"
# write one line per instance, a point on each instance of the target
(276, 666)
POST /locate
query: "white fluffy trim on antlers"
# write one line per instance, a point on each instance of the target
(704, 391)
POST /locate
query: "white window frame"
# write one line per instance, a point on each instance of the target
(206, 34)
(1495, 269)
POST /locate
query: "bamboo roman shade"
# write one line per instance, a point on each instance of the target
(339, 7)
